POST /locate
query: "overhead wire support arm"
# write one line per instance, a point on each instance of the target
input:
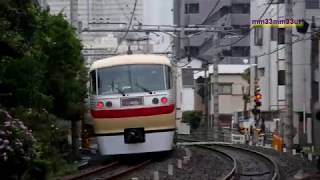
(156, 28)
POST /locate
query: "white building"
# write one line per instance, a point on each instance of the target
(230, 91)
(230, 88)
(117, 14)
(271, 63)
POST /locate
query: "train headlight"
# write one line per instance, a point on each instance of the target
(100, 104)
(155, 100)
(109, 104)
(164, 100)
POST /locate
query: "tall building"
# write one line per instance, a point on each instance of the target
(233, 46)
(100, 14)
(267, 43)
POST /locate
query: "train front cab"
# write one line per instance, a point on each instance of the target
(133, 119)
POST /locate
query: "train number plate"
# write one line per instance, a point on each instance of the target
(131, 101)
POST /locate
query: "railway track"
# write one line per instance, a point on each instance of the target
(110, 171)
(247, 164)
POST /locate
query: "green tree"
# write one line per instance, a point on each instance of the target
(193, 118)
(41, 61)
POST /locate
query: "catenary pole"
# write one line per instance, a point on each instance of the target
(288, 136)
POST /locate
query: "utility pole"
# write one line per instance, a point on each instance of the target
(176, 58)
(216, 59)
(288, 136)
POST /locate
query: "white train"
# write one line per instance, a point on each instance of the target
(132, 103)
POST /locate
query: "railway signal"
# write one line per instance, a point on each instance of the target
(257, 100)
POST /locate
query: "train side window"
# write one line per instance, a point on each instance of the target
(168, 77)
(93, 82)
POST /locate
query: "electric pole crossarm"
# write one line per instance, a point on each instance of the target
(173, 29)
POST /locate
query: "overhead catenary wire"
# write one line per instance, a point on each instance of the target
(235, 42)
(129, 26)
(278, 49)
(212, 10)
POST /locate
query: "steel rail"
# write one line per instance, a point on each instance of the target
(276, 169)
(230, 175)
(107, 172)
(126, 171)
(276, 173)
(86, 173)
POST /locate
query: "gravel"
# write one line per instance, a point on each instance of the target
(289, 164)
(202, 165)
(250, 165)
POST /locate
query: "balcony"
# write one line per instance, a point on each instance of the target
(230, 40)
(240, 19)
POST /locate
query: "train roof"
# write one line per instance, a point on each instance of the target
(130, 59)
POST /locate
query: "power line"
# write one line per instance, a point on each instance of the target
(264, 12)
(278, 49)
(130, 22)
(212, 10)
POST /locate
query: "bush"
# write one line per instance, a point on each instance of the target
(193, 118)
(17, 147)
(37, 155)
(51, 132)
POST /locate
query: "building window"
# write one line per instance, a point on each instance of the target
(187, 77)
(240, 8)
(281, 36)
(258, 36)
(261, 72)
(192, 50)
(281, 77)
(93, 84)
(240, 51)
(312, 4)
(225, 89)
(274, 33)
(192, 8)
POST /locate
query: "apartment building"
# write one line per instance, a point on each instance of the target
(233, 46)
(267, 44)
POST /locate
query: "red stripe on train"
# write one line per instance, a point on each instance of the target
(123, 113)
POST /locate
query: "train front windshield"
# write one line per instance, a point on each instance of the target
(134, 78)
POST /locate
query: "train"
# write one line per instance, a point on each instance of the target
(132, 104)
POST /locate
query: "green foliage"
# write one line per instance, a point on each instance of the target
(42, 65)
(50, 73)
(52, 145)
(193, 118)
(17, 147)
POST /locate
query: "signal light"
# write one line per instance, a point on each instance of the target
(164, 100)
(258, 96)
(100, 104)
(258, 103)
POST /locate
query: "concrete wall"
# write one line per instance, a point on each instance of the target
(228, 104)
